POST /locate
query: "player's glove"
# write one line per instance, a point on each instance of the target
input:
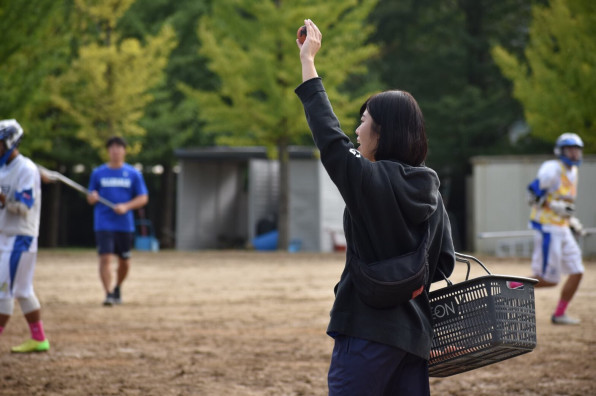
(532, 199)
(536, 195)
(562, 208)
(577, 227)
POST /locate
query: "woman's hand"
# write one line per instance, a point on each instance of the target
(309, 49)
(312, 44)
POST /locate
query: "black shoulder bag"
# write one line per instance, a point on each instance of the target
(390, 282)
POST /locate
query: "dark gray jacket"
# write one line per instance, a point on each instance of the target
(388, 205)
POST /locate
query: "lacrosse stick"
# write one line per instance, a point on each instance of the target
(53, 175)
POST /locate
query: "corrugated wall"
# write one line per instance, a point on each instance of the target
(212, 205)
(305, 206)
(332, 211)
(263, 192)
(220, 202)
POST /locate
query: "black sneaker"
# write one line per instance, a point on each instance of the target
(109, 301)
(116, 298)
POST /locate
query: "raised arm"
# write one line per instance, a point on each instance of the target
(309, 49)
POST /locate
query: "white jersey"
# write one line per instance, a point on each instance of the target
(20, 181)
(550, 176)
(556, 251)
(560, 183)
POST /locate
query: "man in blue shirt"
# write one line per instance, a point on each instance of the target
(122, 184)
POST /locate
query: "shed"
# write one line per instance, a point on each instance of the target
(226, 193)
(500, 211)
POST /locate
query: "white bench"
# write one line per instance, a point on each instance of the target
(519, 243)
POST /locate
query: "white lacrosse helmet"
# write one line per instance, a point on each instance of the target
(568, 139)
(11, 132)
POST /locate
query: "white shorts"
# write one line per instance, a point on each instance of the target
(556, 252)
(18, 255)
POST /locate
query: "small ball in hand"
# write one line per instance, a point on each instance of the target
(301, 34)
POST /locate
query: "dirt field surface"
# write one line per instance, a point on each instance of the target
(245, 323)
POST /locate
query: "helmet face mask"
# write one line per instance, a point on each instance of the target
(568, 139)
(11, 134)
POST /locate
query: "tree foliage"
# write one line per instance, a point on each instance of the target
(440, 52)
(106, 88)
(34, 44)
(556, 78)
(171, 118)
(24, 51)
(76, 71)
(251, 48)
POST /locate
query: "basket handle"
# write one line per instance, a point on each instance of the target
(449, 283)
(464, 258)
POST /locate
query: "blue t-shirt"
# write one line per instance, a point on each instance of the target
(117, 186)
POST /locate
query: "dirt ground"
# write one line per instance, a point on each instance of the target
(245, 323)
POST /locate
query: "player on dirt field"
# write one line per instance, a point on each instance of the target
(20, 205)
(392, 204)
(123, 185)
(556, 251)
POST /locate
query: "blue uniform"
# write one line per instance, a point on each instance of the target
(118, 186)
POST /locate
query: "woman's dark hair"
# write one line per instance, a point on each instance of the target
(399, 122)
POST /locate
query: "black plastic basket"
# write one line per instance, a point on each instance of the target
(481, 321)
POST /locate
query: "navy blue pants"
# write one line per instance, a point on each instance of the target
(364, 368)
(114, 242)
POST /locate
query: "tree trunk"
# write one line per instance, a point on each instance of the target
(50, 224)
(283, 223)
(477, 47)
(167, 211)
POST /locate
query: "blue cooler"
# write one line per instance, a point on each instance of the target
(267, 241)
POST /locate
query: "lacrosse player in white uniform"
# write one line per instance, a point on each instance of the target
(20, 204)
(552, 196)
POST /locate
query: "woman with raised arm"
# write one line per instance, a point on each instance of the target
(394, 211)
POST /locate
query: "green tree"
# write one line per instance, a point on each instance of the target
(98, 85)
(34, 43)
(171, 118)
(106, 88)
(251, 48)
(441, 54)
(556, 80)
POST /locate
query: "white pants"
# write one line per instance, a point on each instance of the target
(556, 252)
(18, 255)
